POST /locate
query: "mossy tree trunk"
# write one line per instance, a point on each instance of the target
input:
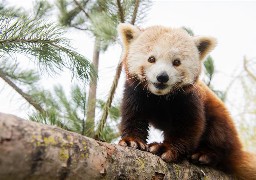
(30, 150)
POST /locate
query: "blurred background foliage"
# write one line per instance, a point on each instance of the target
(247, 111)
(32, 34)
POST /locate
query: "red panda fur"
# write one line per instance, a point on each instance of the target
(194, 121)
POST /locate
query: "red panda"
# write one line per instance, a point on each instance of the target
(163, 89)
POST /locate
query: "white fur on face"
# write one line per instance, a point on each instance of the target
(165, 45)
(159, 67)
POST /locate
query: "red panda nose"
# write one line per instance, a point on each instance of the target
(163, 77)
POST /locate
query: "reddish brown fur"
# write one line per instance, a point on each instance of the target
(195, 122)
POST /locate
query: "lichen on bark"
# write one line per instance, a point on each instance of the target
(31, 150)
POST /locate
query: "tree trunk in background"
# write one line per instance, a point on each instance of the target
(31, 150)
(112, 91)
(91, 106)
(109, 102)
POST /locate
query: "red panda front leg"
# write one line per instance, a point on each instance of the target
(173, 150)
(134, 125)
(164, 150)
(134, 132)
(181, 143)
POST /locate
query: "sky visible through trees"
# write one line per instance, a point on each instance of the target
(232, 23)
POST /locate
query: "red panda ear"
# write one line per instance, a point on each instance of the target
(128, 33)
(205, 45)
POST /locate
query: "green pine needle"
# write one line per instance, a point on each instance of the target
(45, 42)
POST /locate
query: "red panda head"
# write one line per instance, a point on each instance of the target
(164, 59)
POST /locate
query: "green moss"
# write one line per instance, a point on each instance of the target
(140, 163)
(206, 177)
(176, 170)
(37, 140)
(63, 154)
(49, 141)
(84, 145)
(82, 156)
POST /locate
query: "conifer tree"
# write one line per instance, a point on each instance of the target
(133, 15)
(100, 18)
(45, 45)
(43, 42)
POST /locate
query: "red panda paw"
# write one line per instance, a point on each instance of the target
(204, 158)
(134, 143)
(163, 150)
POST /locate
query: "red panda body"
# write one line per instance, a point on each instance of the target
(165, 91)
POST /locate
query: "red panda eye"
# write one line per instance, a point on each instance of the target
(176, 62)
(151, 59)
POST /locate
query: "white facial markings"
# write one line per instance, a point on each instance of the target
(158, 68)
(191, 69)
(165, 48)
(136, 59)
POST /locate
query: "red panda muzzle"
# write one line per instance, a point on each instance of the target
(160, 85)
(163, 77)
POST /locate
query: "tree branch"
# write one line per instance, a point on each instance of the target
(117, 75)
(109, 102)
(23, 40)
(81, 8)
(120, 11)
(135, 12)
(31, 150)
(90, 119)
(79, 28)
(248, 71)
(27, 97)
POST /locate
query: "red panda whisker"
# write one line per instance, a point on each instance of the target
(133, 82)
(182, 89)
(137, 85)
(145, 86)
(194, 86)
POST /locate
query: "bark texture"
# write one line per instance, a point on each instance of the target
(90, 118)
(30, 150)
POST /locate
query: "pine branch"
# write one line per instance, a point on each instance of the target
(118, 72)
(36, 41)
(26, 96)
(81, 8)
(143, 8)
(134, 15)
(79, 98)
(6, 11)
(120, 11)
(209, 70)
(11, 69)
(41, 8)
(67, 108)
(66, 16)
(79, 28)
(45, 42)
(11, 74)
